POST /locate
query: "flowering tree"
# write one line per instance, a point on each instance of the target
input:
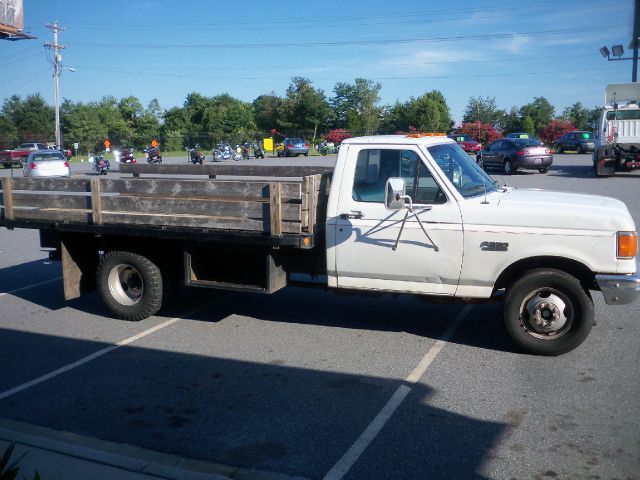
(337, 135)
(555, 130)
(485, 133)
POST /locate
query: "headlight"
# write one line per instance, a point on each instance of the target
(627, 245)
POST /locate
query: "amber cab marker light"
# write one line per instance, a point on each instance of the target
(627, 244)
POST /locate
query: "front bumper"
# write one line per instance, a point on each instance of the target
(619, 289)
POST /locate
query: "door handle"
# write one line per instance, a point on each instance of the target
(354, 214)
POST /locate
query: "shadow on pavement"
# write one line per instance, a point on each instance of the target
(268, 416)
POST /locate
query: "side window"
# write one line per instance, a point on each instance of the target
(374, 167)
(496, 146)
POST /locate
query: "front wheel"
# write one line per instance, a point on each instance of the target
(130, 285)
(579, 149)
(548, 312)
(560, 149)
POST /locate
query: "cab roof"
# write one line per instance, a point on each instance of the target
(399, 140)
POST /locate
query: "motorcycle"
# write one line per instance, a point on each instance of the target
(102, 165)
(246, 150)
(223, 152)
(258, 151)
(195, 156)
(153, 156)
(327, 148)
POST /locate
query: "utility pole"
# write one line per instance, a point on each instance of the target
(57, 59)
(634, 40)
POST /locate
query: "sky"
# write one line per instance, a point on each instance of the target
(510, 50)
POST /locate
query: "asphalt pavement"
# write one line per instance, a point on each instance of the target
(251, 386)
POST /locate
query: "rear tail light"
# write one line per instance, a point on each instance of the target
(521, 153)
(627, 245)
(133, 160)
(290, 147)
(33, 166)
(66, 164)
(547, 151)
(306, 145)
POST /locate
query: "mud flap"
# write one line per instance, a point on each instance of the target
(79, 265)
(605, 162)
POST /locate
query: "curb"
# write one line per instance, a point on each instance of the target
(125, 457)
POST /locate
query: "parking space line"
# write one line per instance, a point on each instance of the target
(340, 469)
(11, 292)
(94, 355)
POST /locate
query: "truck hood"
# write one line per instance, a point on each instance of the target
(545, 209)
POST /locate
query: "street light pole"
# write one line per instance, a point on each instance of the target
(57, 58)
(634, 40)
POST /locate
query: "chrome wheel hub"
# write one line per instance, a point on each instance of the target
(546, 314)
(125, 284)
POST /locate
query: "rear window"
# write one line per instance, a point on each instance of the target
(295, 140)
(45, 157)
(585, 135)
(526, 142)
(461, 138)
(623, 115)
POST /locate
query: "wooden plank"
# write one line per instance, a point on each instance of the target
(312, 202)
(51, 200)
(96, 204)
(54, 215)
(45, 184)
(275, 208)
(234, 170)
(205, 207)
(7, 197)
(192, 221)
(248, 190)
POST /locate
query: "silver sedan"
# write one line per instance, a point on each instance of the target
(46, 163)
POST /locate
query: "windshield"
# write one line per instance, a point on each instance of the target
(468, 178)
(623, 115)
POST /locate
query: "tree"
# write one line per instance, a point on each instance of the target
(306, 109)
(578, 115)
(337, 135)
(356, 105)
(512, 121)
(81, 123)
(485, 133)
(484, 110)
(540, 111)
(32, 117)
(429, 112)
(268, 111)
(554, 130)
(528, 125)
(8, 133)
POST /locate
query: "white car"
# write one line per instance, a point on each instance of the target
(46, 163)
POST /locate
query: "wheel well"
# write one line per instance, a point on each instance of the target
(572, 267)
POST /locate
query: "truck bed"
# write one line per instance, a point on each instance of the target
(274, 210)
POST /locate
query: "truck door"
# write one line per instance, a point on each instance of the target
(365, 231)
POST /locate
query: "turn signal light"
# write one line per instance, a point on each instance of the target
(627, 245)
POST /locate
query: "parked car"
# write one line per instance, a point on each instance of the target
(293, 147)
(579, 141)
(510, 154)
(46, 163)
(467, 142)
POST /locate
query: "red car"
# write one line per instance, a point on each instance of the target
(467, 143)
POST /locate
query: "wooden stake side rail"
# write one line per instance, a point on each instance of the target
(271, 207)
(213, 170)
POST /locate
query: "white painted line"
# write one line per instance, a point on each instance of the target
(348, 460)
(2, 294)
(93, 356)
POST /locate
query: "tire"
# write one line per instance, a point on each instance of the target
(543, 170)
(559, 149)
(6, 165)
(579, 149)
(306, 154)
(130, 285)
(508, 169)
(540, 298)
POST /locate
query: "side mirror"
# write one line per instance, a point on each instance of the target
(395, 192)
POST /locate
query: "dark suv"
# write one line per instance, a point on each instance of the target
(579, 141)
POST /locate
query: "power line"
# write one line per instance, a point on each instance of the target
(342, 43)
